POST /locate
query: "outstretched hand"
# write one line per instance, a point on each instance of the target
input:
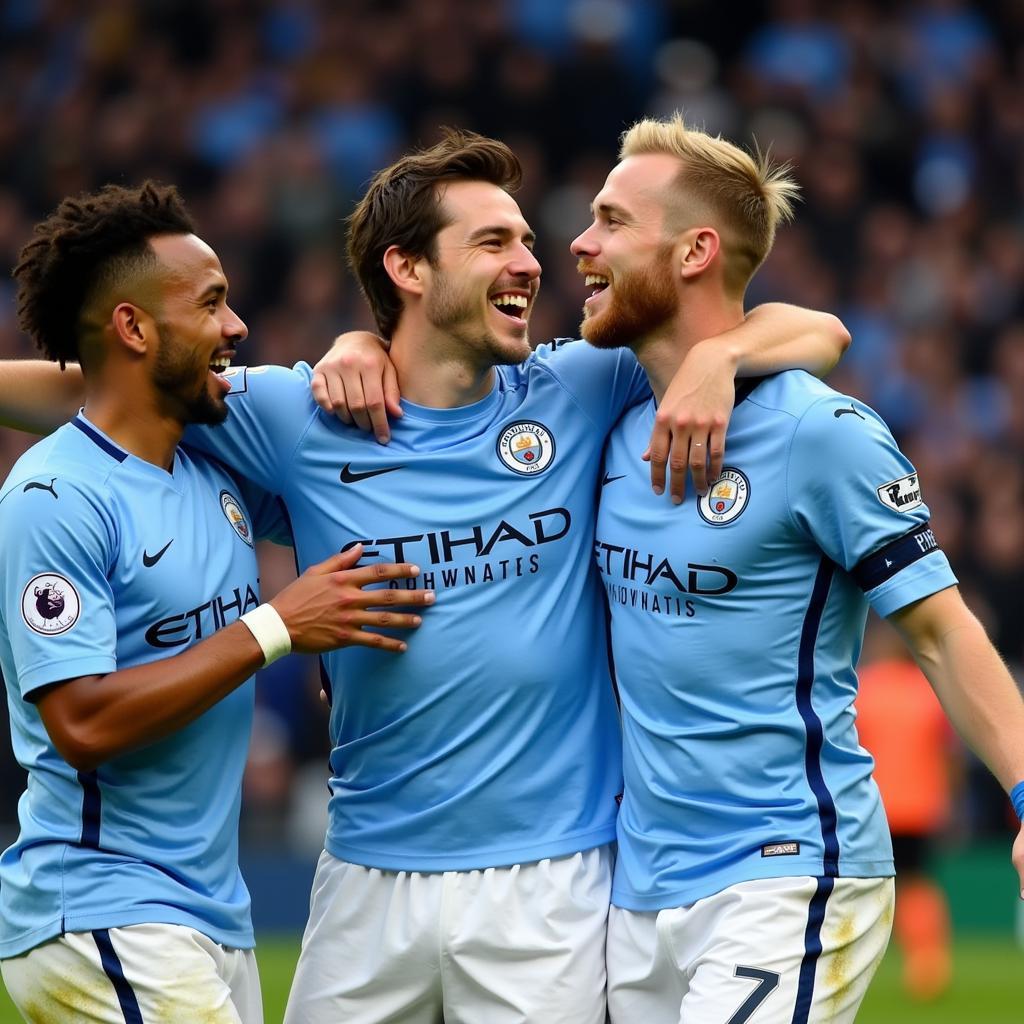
(328, 607)
(356, 381)
(691, 421)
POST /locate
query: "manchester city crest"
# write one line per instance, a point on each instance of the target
(726, 498)
(232, 509)
(50, 604)
(526, 447)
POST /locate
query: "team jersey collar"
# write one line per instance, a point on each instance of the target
(460, 413)
(122, 455)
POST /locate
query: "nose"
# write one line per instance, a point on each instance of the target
(525, 264)
(583, 244)
(234, 328)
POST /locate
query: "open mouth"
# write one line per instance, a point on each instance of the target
(511, 304)
(220, 364)
(598, 282)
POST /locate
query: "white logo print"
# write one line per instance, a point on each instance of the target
(726, 499)
(903, 495)
(50, 604)
(526, 447)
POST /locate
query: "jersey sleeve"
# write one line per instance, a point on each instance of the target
(603, 382)
(58, 608)
(269, 517)
(858, 496)
(269, 408)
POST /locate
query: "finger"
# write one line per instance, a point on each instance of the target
(384, 620)
(379, 572)
(356, 398)
(376, 409)
(392, 395)
(343, 561)
(336, 403)
(380, 599)
(321, 393)
(364, 638)
(716, 453)
(698, 462)
(646, 457)
(659, 446)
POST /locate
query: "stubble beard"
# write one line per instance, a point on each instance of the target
(642, 303)
(175, 376)
(456, 314)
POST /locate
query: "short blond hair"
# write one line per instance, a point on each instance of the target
(744, 197)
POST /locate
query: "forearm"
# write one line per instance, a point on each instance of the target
(37, 396)
(107, 716)
(776, 336)
(978, 694)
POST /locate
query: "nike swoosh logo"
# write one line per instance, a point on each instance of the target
(150, 560)
(349, 476)
(41, 487)
(608, 479)
(846, 412)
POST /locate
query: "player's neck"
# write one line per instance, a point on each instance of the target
(662, 353)
(438, 373)
(143, 432)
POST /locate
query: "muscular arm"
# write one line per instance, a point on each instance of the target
(973, 685)
(37, 396)
(92, 719)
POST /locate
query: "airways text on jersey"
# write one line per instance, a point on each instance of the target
(652, 583)
(441, 548)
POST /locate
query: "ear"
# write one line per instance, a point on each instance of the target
(133, 327)
(404, 270)
(696, 251)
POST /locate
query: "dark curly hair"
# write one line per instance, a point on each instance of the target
(402, 207)
(89, 242)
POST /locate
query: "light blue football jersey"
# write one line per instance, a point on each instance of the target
(736, 624)
(494, 739)
(107, 561)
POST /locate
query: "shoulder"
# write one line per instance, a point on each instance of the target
(282, 382)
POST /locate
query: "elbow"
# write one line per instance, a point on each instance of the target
(81, 748)
(839, 337)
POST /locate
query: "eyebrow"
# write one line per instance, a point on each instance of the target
(212, 290)
(529, 237)
(609, 210)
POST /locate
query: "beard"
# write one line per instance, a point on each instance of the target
(182, 383)
(457, 313)
(642, 302)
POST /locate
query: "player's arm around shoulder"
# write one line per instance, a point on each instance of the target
(37, 396)
(269, 410)
(93, 718)
(974, 687)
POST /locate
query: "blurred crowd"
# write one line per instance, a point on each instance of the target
(903, 120)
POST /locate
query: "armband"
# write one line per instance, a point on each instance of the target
(270, 632)
(1017, 797)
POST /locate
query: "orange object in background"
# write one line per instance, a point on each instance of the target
(901, 722)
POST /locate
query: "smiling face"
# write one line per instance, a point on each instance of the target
(627, 256)
(198, 331)
(482, 278)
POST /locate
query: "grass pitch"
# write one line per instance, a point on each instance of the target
(988, 986)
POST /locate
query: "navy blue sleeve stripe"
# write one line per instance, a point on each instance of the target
(812, 949)
(812, 723)
(874, 570)
(126, 997)
(91, 805)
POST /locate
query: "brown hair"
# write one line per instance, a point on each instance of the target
(403, 207)
(746, 197)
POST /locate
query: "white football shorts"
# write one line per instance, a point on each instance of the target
(140, 974)
(772, 951)
(514, 945)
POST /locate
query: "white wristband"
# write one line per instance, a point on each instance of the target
(270, 632)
